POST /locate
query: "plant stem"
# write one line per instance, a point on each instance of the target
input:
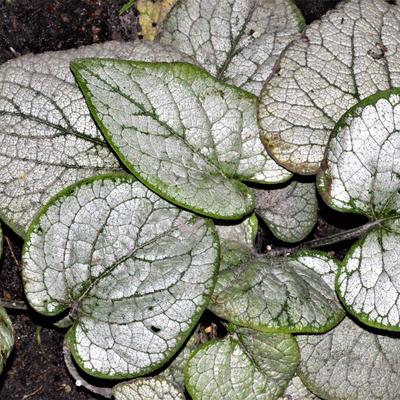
(14, 304)
(325, 241)
(79, 380)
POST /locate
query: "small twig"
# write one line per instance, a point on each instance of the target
(354, 233)
(17, 263)
(79, 381)
(34, 393)
(14, 304)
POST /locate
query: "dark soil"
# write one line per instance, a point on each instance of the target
(36, 368)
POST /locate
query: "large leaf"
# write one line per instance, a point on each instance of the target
(290, 212)
(48, 139)
(361, 175)
(351, 53)
(135, 271)
(238, 41)
(350, 363)
(187, 136)
(6, 337)
(147, 389)
(275, 294)
(246, 365)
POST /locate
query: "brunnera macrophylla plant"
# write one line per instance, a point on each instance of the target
(134, 179)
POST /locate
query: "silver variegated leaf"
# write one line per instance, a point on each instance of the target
(290, 212)
(350, 362)
(361, 174)
(348, 55)
(184, 134)
(155, 388)
(48, 138)
(238, 41)
(135, 271)
(6, 337)
(246, 365)
(275, 294)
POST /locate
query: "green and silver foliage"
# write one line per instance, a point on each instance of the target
(245, 365)
(350, 54)
(238, 41)
(361, 174)
(187, 136)
(6, 337)
(135, 271)
(147, 389)
(290, 212)
(48, 138)
(351, 363)
(278, 294)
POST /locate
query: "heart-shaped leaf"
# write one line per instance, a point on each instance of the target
(147, 389)
(238, 41)
(351, 363)
(48, 138)
(361, 174)
(6, 337)
(275, 294)
(184, 134)
(246, 365)
(350, 54)
(135, 271)
(290, 212)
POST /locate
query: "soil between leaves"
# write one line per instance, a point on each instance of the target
(36, 368)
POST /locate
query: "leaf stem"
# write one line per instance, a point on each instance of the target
(350, 234)
(79, 380)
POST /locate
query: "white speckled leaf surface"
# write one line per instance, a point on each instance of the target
(48, 138)
(274, 294)
(187, 136)
(290, 212)
(135, 271)
(6, 337)
(350, 363)
(247, 365)
(361, 174)
(147, 389)
(350, 54)
(238, 41)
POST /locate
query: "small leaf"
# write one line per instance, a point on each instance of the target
(187, 136)
(48, 139)
(155, 388)
(244, 233)
(350, 54)
(274, 294)
(6, 337)
(135, 271)
(361, 175)
(290, 212)
(151, 16)
(238, 41)
(247, 365)
(351, 363)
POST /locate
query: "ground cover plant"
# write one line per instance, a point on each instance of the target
(132, 174)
